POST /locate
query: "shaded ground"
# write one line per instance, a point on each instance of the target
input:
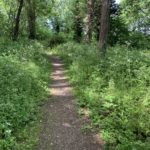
(61, 123)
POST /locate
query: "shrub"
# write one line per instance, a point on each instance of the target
(139, 40)
(56, 39)
(43, 33)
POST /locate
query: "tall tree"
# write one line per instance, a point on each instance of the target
(105, 14)
(118, 32)
(17, 20)
(31, 6)
(77, 21)
(97, 16)
(89, 23)
(136, 14)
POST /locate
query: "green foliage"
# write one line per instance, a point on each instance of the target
(115, 90)
(136, 14)
(78, 11)
(24, 73)
(136, 18)
(43, 33)
(56, 39)
(139, 40)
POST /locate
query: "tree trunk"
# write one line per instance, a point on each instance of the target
(57, 25)
(31, 18)
(104, 28)
(89, 24)
(78, 22)
(97, 16)
(17, 21)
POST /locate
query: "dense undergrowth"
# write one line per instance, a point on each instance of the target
(24, 74)
(115, 90)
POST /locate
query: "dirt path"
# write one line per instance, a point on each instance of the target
(62, 125)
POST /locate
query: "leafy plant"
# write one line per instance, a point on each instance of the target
(116, 90)
(24, 73)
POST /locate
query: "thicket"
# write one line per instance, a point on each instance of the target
(115, 90)
(24, 74)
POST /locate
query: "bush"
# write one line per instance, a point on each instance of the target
(24, 73)
(115, 90)
(139, 40)
(43, 33)
(56, 39)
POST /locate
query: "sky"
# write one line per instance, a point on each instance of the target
(118, 1)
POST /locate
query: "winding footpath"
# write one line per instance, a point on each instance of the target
(62, 124)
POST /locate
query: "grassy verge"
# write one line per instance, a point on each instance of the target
(115, 91)
(24, 77)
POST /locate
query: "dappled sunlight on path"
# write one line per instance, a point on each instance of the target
(62, 125)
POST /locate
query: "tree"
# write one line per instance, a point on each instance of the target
(31, 6)
(136, 15)
(77, 21)
(17, 20)
(97, 16)
(56, 24)
(8, 11)
(118, 32)
(89, 23)
(105, 12)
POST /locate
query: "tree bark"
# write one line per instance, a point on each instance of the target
(89, 24)
(17, 20)
(31, 5)
(104, 28)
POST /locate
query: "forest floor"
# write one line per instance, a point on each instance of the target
(62, 125)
